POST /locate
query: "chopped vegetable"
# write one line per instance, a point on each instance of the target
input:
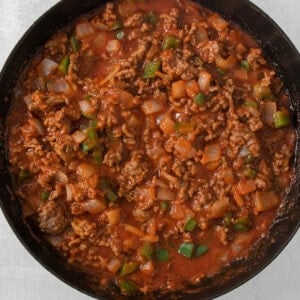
(220, 71)
(204, 81)
(238, 197)
(192, 88)
(186, 249)
(245, 65)
(162, 255)
(225, 64)
(185, 148)
(74, 43)
(45, 195)
(179, 89)
(242, 224)
(47, 66)
(113, 216)
(120, 34)
(64, 65)
(170, 42)
(98, 156)
(281, 119)
(211, 153)
(85, 170)
(227, 219)
(86, 108)
(147, 251)
(117, 25)
(106, 186)
(261, 91)
(165, 194)
(196, 61)
(190, 225)
(152, 106)
(114, 265)
(264, 201)
(128, 287)
(111, 196)
(248, 159)
(250, 173)
(151, 68)
(200, 250)
(92, 140)
(246, 186)
(199, 99)
(219, 208)
(217, 22)
(94, 206)
(84, 30)
(23, 175)
(129, 268)
(151, 18)
(268, 112)
(184, 127)
(250, 103)
(164, 205)
(167, 125)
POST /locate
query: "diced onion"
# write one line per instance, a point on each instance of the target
(58, 86)
(86, 108)
(147, 268)
(225, 64)
(217, 22)
(69, 193)
(79, 136)
(113, 216)
(85, 170)
(167, 125)
(37, 125)
(114, 265)
(201, 34)
(150, 238)
(47, 66)
(113, 46)
(211, 153)
(151, 106)
(165, 194)
(204, 81)
(28, 100)
(269, 110)
(178, 89)
(185, 148)
(94, 206)
(61, 177)
(160, 183)
(134, 230)
(55, 240)
(244, 151)
(84, 30)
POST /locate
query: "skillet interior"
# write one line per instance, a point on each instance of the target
(275, 45)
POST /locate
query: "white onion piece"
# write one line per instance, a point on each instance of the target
(204, 81)
(55, 240)
(147, 268)
(201, 34)
(58, 86)
(152, 106)
(244, 151)
(37, 125)
(94, 206)
(165, 194)
(47, 66)
(113, 46)
(269, 110)
(254, 112)
(85, 171)
(83, 30)
(28, 100)
(79, 136)
(69, 193)
(86, 108)
(114, 265)
(61, 177)
(160, 183)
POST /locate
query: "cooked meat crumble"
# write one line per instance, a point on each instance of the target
(153, 140)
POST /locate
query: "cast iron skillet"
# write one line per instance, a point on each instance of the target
(277, 47)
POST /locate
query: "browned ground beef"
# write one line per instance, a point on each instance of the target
(153, 141)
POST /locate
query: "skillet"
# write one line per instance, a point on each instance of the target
(277, 48)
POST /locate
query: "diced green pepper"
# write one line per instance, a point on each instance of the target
(128, 287)
(45, 195)
(93, 123)
(64, 65)
(147, 251)
(281, 119)
(150, 69)
(111, 195)
(88, 97)
(98, 156)
(199, 99)
(248, 159)
(190, 225)
(129, 268)
(245, 65)
(170, 42)
(242, 224)
(227, 219)
(250, 103)
(105, 184)
(221, 71)
(120, 34)
(186, 249)
(23, 175)
(200, 250)
(91, 142)
(261, 92)
(250, 173)
(164, 205)
(162, 255)
(151, 18)
(196, 61)
(74, 43)
(117, 25)
(184, 127)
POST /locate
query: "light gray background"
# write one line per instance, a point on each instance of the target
(21, 277)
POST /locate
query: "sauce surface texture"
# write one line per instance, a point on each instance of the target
(151, 143)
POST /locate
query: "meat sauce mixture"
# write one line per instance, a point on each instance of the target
(151, 142)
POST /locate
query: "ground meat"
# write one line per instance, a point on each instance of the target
(52, 218)
(83, 227)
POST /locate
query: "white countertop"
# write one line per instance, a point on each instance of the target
(21, 277)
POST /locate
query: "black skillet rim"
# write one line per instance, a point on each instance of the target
(33, 245)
